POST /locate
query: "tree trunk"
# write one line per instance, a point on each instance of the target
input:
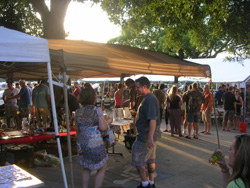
(53, 19)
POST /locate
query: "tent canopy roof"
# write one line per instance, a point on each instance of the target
(89, 59)
(86, 59)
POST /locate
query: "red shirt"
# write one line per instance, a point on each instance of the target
(77, 91)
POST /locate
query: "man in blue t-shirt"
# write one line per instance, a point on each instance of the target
(148, 128)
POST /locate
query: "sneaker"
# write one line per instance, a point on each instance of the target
(140, 186)
(153, 186)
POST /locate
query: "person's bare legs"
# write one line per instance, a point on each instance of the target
(99, 177)
(85, 177)
(205, 127)
(151, 170)
(185, 125)
(223, 124)
(142, 173)
(239, 119)
(228, 124)
(196, 126)
(208, 127)
(190, 125)
(234, 123)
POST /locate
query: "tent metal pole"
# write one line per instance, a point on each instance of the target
(215, 115)
(56, 124)
(66, 107)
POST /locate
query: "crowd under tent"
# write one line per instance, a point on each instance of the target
(21, 57)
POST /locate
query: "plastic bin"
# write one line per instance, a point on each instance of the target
(243, 127)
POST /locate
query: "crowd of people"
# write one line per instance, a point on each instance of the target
(191, 106)
(151, 104)
(27, 102)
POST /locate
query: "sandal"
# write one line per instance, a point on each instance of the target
(224, 129)
(195, 137)
(202, 131)
(187, 137)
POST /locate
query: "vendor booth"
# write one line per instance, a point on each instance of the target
(19, 53)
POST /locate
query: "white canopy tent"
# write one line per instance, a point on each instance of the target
(225, 71)
(17, 49)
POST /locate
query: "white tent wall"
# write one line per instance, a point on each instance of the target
(226, 72)
(23, 49)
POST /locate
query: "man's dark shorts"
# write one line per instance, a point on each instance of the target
(228, 115)
(193, 118)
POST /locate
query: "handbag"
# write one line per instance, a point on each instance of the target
(109, 136)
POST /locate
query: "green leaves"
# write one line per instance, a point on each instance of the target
(197, 28)
(20, 15)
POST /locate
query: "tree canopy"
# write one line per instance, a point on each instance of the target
(20, 15)
(184, 28)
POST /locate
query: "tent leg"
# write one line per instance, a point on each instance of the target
(55, 124)
(68, 128)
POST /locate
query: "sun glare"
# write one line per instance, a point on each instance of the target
(90, 23)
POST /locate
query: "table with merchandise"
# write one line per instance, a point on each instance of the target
(12, 176)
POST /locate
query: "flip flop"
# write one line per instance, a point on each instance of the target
(207, 133)
(202, 131)
(195, 137)
(187, 137)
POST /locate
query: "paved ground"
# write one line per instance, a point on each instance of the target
(180, 163)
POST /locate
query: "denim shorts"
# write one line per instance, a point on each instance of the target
(193, 118)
